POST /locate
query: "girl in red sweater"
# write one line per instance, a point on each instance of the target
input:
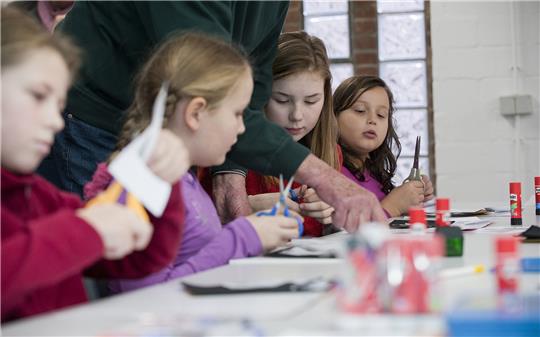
(48, 240)
(301, 103)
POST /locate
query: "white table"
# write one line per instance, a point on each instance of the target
(286, 313)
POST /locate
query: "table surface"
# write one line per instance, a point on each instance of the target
(166, 309)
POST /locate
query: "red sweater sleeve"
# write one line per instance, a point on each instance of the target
(160, 251)
(55, 247)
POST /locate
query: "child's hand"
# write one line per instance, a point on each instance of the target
(428, 188)
(314, 207)
(401, 198)
(120, 229)
(259, 202)
(274, 231)
(170, 159)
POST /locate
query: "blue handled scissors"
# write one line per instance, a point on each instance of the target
(282, 203)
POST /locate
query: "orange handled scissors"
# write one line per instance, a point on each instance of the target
(115, 193)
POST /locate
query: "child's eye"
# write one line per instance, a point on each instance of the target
(38, 96)
(381, 116)
(281, 100)
(310, 102)
(360, 110)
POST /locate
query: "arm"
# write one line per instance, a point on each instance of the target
(353, 204)
(238, 239)
(55, 247)
(160, 251)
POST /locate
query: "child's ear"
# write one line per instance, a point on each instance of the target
(194, 111)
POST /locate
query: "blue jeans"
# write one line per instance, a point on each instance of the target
(75, 154)
(73, 159)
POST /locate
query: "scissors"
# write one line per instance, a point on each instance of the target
(282, 203)
(415, 170)
(115, 193)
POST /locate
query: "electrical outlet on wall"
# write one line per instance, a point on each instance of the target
(515, 105)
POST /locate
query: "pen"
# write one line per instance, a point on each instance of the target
(467, 270)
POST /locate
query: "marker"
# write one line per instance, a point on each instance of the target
(537, 194)
(515, 204)
(462, 271)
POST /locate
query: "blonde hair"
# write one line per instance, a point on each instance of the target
(299, 52)
(21, 34)
(194, 65)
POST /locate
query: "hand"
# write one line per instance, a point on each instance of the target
(428, 188)
(170, 159)
(119, 228)
(401, 198)
(230, 196)
(274, 231)
(314, 207)
(353, 204)
(259, 202)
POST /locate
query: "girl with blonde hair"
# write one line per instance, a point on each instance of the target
(210, 85)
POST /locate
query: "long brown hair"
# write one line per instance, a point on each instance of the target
(195, 65)
(21, 35)
(381, 162)
(299, 52)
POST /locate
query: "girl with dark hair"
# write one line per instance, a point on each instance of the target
(364, 109)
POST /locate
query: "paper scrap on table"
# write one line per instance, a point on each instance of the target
(470, 223)
(129, 167)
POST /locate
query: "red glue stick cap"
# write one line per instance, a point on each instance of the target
(417, 215)
(442, 204)
(515, 187)
(507, 244)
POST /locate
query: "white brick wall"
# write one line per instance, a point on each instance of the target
(472, 59)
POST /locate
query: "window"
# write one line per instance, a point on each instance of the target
(390, 36)
(402, 65)
(329, 21)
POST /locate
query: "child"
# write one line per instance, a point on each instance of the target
(210, 85)
(301, 103)
(364, 109)
(48, 240)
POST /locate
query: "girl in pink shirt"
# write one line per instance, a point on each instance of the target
(364, 108)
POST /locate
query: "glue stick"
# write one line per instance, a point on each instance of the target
(442, 215)
(507, 263)
(417, 218)
(515, 204)
(537, 194)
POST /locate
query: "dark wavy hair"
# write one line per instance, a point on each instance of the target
(381, 162)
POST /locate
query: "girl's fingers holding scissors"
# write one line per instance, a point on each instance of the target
(293, 206)
(428, 188)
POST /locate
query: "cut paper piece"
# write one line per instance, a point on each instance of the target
(129, 167)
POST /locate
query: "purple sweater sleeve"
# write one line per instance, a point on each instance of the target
(237, 239)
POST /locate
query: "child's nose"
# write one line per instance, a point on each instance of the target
(241, 127)
(372, 119)
(296, 113)
(54, 118)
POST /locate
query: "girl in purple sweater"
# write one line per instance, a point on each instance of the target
(364, 109)
(210, 85)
